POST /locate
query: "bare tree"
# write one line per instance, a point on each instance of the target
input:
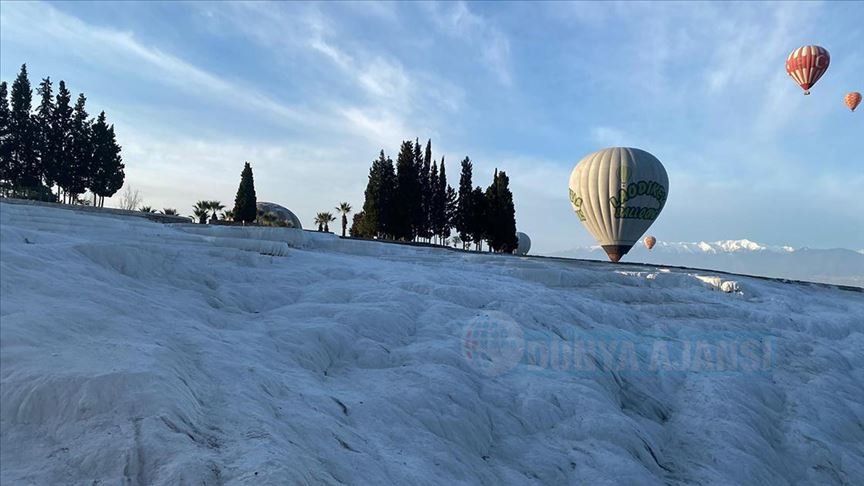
(130, 199)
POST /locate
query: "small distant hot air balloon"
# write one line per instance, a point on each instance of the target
(617, 193)
(852, 99)
(806, 65)
(650, 241)
(524, 245)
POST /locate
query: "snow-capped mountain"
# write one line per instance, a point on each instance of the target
(723, 246)
(838, 266)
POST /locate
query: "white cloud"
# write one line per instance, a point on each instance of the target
(609, 137)
(457, 20)
(391, 102)
(41, 26)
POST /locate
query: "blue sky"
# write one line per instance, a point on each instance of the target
(309, 93)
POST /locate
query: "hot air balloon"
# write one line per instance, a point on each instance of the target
(806, 65)
(852, 99)
(650, 241)
(617, 193)
(524, 245)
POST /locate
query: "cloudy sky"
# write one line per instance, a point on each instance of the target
(309, 93)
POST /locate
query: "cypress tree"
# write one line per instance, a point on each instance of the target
(387, 199)
(446, 197)
(378, 200)
(416, 216)
(116, 172)
(441, 215)
(24, 169)
(371, 209)
(425, 218)
(451, 210)
(245, 203)
(406, 202)
(81, 161)
(464, 207)
(372, 196)
(45, 131)
(491, 217)
(108, 172)
(5, 155)
(61, 135)
(478, 227)
(434, 202)
(506, 216)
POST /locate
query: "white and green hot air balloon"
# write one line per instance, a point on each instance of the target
(617, 193)
(524, 245)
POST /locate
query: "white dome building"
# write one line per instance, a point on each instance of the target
(282, 213)
(524, 243)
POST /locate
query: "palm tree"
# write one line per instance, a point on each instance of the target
(323, 221)
(201, 210)
(328, 218)
(147, 209)
(214, 206)
(170, 211)
(344, 208)
(228, 215)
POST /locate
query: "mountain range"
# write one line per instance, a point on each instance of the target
(835, 266)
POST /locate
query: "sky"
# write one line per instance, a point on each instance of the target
(309, 93)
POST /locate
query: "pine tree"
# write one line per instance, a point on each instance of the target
(81, 161)
(108, 169)
(245, 204)
(5, 155)
(44, 129)
(61, 136)
(360, 228)
(24, 170)
(465, 206)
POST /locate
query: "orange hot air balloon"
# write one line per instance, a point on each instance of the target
(806, 65)
(852, 99)
(650, 241)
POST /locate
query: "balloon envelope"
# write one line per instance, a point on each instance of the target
(650, 241)
(524, 243)
(806, 65)
(617, 193)
(852, 99)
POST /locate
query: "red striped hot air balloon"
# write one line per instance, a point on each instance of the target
(806, 65)
(650, 241)
(852, 99)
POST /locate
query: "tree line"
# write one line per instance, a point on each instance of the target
(411, 200)
(56, 145)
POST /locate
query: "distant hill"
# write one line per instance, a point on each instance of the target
(837, 266)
